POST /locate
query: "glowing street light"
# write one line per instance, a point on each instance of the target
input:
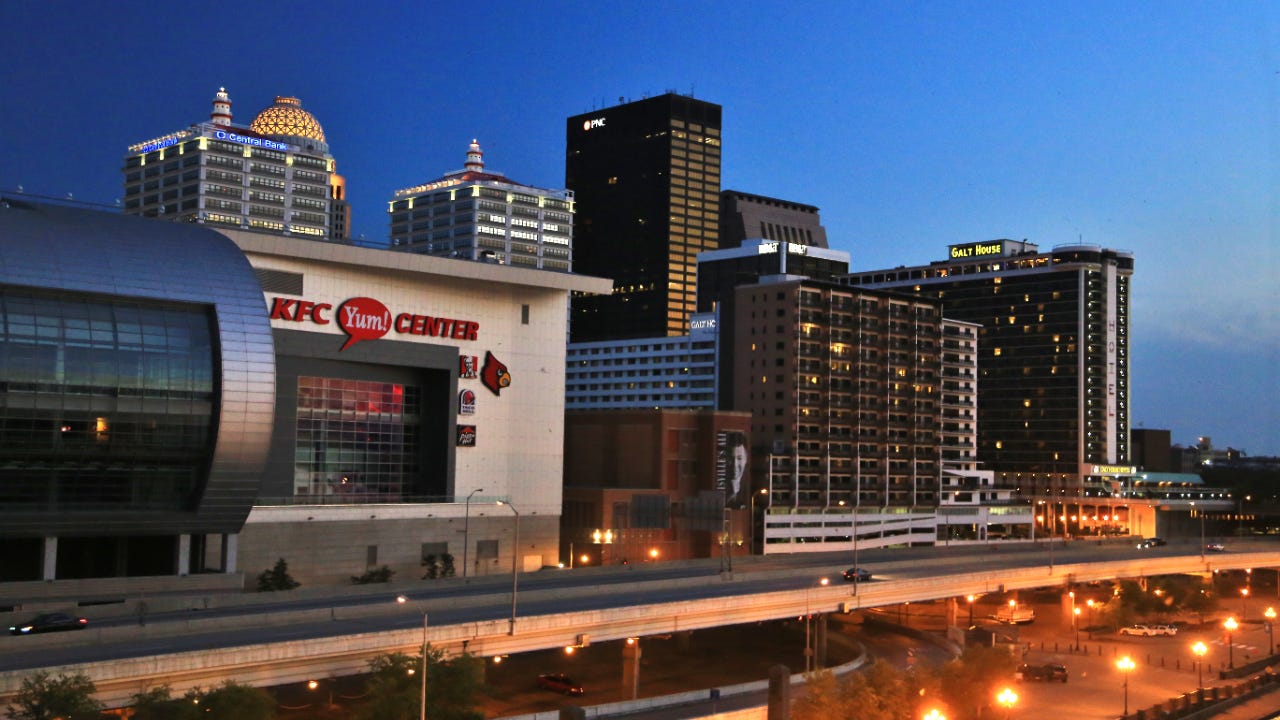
(1075, 623)
(970, 599)
(1244, 595)
(1270, 615)
(1126, 665)
(1230, 624)
(1007, 699)
(934, 715)
(422, 713)
(1199, 649)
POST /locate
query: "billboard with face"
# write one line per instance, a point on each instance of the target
(731, 467)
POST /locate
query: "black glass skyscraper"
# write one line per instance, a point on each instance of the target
(646, 176)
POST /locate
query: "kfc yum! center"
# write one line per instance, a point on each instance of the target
(412, 394)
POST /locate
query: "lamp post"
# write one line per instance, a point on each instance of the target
(515, 565)
(934, 715)
(752, 547)
(466, 530)
(1201, 514)
(1075, 624)
(970, 599)
(1230, 624)
(422, 700)
(1199, 649)
(1126, 665)
(808, 639)
(1007, 699)
(1270, 615)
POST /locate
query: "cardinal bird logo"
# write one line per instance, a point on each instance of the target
(494, 375)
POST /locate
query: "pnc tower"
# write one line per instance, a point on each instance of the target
(646, 178)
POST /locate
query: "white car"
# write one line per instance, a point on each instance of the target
(1149, 630)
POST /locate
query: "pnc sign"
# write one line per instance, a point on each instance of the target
(593, 123)
(363, 318)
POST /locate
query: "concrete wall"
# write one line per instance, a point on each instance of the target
(328, 545)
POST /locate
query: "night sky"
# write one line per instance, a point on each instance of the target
(1149, 127)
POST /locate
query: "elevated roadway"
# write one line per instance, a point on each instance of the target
(281, 638)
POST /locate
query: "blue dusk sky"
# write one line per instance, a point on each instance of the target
(1143, 126)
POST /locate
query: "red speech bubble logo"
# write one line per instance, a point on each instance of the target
(363, 318)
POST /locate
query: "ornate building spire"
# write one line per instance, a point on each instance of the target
(221, 114)
(475, 158)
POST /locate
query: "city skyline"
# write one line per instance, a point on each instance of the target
(1149, 128)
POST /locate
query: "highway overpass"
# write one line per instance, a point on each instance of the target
(279, 639)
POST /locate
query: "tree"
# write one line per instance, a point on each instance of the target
(374, 575)
(69, 697)
(433, 567)
(972, 680)
(277, 578)
(394, 687)
(446, 565)
(234, 701)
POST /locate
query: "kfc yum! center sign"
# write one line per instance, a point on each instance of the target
(363, 318)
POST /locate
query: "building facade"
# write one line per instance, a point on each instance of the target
(720, 272)
(1053, 368)
(660, 372)
(274, 175)
(655, 484)
(179, 401)
(744, 215)
(477, 215)
(646, 176)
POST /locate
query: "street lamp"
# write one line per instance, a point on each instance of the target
(752, 541)
(1244, 595)
(808, 639)
(1231, 626)
(1007, 699)
(934, 715)
(515, 566)
(1199, 649)
(466, 531)
(970, 599)
(1270, 615)
(1075, 624)
(1201, 514)
(1126, 665)
(422, 712)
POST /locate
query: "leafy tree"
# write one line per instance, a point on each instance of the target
(229, 701)
(234, 701)
(69, 697)
(972, 680)
(159, 704)
(277, 578)
(433, 567)
(446, 565)
(374, 575)
(394, 687)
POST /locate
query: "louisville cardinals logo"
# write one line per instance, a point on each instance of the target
(494, 375)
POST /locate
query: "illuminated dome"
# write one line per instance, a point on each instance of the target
(287, 121)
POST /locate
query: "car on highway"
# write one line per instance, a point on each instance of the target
(1143, 630)
(559, 682)
(1152, 542)
(1047, 672)
(1215, 547)
(49, 622)
(857, 573)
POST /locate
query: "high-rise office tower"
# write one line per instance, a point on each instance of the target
(273, 175)
(482, 215)
(646, 177)
(744, 216)
(1053, 364)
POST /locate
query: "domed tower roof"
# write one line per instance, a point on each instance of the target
(287, 121)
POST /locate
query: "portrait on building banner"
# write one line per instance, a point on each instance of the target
(731, 467)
